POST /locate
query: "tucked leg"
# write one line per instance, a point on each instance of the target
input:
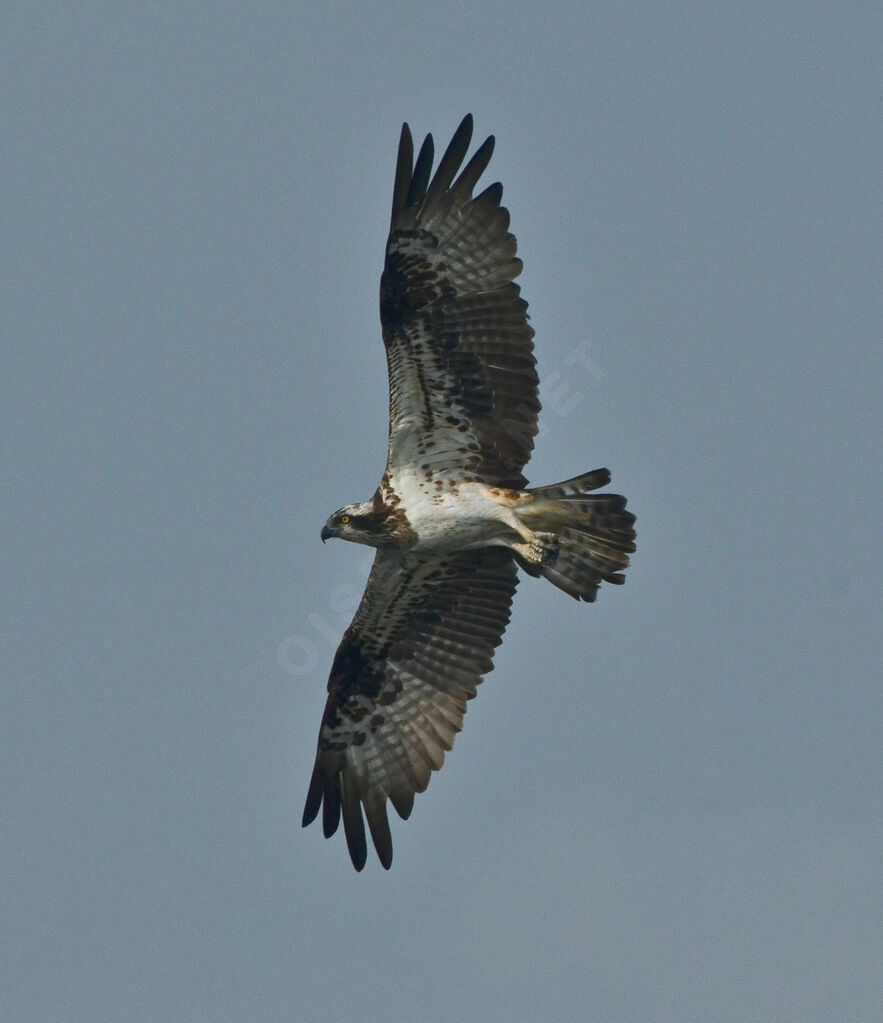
(541, 549)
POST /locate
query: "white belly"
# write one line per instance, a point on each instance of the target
(455, 515)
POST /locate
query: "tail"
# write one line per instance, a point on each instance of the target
(592, 533)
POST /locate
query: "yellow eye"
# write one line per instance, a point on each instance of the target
(345, 520)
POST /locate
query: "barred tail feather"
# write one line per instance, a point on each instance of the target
(594, 534)
(593, 480)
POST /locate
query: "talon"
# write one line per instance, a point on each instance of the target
(546, 546)
(549, 555)
(542, 550)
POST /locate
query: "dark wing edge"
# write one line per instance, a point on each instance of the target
(459, 348)
(398, 688)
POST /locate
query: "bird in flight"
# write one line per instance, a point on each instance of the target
(453, 518)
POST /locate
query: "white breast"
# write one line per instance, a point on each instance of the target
(446, 513)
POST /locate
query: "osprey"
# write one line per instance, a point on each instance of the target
(453, 518)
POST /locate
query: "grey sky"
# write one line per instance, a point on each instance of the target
(665, 807)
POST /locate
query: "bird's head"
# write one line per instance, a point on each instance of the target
(355, 522)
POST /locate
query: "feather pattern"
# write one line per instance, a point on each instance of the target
(415, 652)
(463, 381)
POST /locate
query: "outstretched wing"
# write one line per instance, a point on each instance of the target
(462, 376)
(421, 640)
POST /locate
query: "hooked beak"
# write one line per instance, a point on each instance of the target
(327, 533)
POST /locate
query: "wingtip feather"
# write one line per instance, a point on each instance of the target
(404, 166)
(315, 792)
(378, 824)
(353, 823)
